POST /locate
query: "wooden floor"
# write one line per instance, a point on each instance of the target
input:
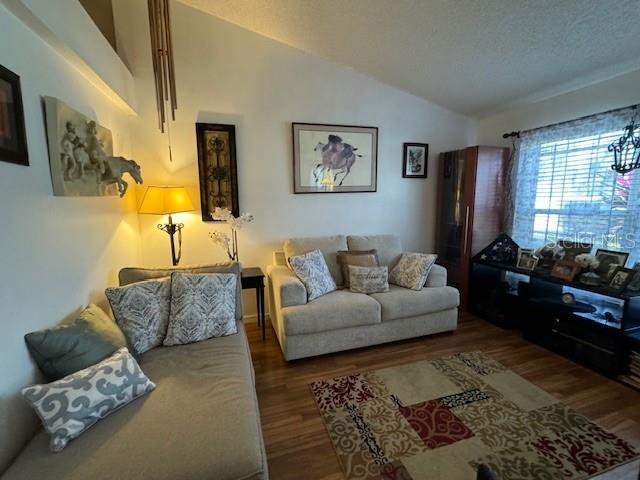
(298, 446)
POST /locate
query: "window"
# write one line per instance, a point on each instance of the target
(566, 189)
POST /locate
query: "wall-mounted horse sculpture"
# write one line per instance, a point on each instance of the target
(115, 168)
(337, 157)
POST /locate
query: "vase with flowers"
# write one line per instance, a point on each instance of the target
(223, 240)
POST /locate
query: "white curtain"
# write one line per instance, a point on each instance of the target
(563, 187)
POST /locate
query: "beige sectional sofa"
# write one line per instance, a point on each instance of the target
(201, 422)
(343, 320)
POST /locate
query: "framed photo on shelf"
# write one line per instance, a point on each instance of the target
(634, 283)
(415, 160)
(526, 259)
(609, 259)
(564, 270)
(573, 249)
(334, 158)
(13, 137)
(620, 278)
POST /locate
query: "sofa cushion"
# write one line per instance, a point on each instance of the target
(203, 305)
(71, 405)
(76, 343)
(389, 247)
(132, 275)
(368, 279)
(401, 302)
(360, 258)
(311, 268)
(339, 309)
(329, 247)
(412, 270)
(201, 421)
(141, 310)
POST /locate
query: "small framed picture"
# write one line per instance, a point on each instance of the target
(526, 259)
(573, 249)
(415, 160)
(13, 138)
(564, 270)
(620, 278)
(609, 260)
(634, 283)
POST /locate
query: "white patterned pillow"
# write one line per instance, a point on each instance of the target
(368, 279)
(412, 270)
(69, 406)
(312, 270)
(203, 305)
(141, 310)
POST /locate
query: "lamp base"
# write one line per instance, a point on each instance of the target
(173, 228)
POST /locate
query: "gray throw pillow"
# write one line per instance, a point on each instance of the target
(142, 312)
(412, 270)
(75, 343)
(203, 305)
(69, 406)
(312, 270)
(368, 279)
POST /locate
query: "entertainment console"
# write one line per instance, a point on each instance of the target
(596, 329)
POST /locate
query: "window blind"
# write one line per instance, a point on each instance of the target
(566, 189)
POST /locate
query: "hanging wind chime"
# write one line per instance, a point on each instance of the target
(626, 150)
(163, 68)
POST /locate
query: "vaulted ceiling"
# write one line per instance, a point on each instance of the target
(471, 56)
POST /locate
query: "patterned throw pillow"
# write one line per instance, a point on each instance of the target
(368, 279)
(311, 268)
(360, 258)
(69, 406)
(203, 305)
(142, 312)
(412, 270)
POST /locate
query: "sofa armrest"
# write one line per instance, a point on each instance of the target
(437, 277)
(288, 290)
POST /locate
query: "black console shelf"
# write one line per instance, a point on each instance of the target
(594, 332)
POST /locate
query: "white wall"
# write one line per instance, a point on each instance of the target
(57, 254)
(226, 74)
(618, 92)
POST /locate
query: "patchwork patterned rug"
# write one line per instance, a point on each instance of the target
(439, 419)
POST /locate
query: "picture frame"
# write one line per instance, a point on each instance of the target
(217, 168)
(13, 137)
(526, 259)
(564, 270)
(334, 158)
(634, 283)
(415, 160)
(620, 278)
(573, 249)
(607, 259)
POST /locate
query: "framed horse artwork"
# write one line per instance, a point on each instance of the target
(334, 158)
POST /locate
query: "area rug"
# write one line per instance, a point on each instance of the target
(440, 419)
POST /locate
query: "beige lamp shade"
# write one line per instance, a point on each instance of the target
(165, 201)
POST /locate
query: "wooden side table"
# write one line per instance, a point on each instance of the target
(253, 277)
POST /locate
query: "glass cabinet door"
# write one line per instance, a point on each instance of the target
(453, 213)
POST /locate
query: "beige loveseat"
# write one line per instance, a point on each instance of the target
(343, 320)
(201, 422)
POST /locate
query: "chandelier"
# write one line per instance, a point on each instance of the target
(626, 150)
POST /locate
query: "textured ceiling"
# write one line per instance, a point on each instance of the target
(471, 56)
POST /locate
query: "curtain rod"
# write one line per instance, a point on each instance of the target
(517, 134)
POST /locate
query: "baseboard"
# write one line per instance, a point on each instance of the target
(253, 318)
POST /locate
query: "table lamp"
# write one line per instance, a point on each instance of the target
(166, 201)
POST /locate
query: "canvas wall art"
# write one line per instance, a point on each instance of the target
(13, 140)
(218, 169)
(415, 160)
(334, 158)
(81, 155)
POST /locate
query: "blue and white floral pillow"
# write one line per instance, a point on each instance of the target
(69, 406)
(312, 270)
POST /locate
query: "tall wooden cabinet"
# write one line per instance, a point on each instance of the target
(470, 208)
